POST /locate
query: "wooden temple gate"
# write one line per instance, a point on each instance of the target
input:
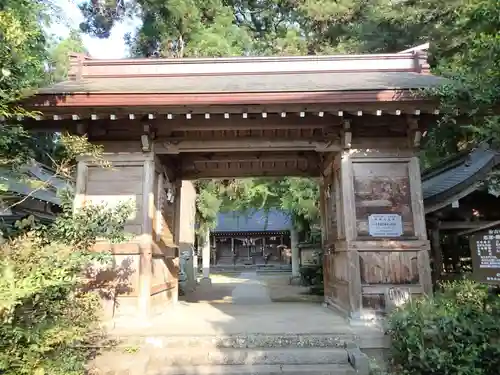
(353, 122)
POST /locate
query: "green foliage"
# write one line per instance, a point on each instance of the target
(46, 311)
(466, 46)
(24, 57)
(297, 196)
(47, 306)
(456, 332)
(80, 229)
(22, 53)
(22, 50)
(58, 58)
(208, 205)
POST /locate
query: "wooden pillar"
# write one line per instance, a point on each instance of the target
(381, 238)
(145, 273)
(437, 254)
(323, 211)
(186, 212)
(165, 265)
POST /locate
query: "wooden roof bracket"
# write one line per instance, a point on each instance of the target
(147, 138)
(81, 128)
(347, 134)
(413, 132)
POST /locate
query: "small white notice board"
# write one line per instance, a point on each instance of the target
(385, 225)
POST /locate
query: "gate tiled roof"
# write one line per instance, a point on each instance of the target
(248, 83)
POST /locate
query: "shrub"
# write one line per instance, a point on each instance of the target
(45, 311)
(456, 332)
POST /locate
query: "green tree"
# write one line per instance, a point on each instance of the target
(22, 50)
(453, 332)
(49, 311)
(297, 196)
(58, 55)
(171, 28)
(22, 67)
(47, 305)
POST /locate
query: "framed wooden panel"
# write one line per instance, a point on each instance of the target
(383, 201)
(389, 267)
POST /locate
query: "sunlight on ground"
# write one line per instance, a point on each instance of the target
(229, 279)
(278, 286)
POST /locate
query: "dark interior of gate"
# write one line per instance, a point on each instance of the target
(354, 122)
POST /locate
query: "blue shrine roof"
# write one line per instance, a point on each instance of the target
(253, 221)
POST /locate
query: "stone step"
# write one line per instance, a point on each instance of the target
(221, 357)
(238, 341)
(330, 369)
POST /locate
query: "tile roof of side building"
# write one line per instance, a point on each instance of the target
(41, 183)
(456, 177)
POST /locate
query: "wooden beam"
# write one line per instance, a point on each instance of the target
(242, 145)
(198, 123)
(249, 156)
(228, 139)
(242, 173)
(450, 225)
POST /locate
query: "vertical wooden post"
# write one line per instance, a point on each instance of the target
(348, 255)
(81, 182)
(417, 203)
(146, 257)
(347, 195)
(177, 215)
(437, 254)
(323, 210)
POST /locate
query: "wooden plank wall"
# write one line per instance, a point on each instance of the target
(122, 182)
(144, 277)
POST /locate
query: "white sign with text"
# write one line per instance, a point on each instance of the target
(385, 225)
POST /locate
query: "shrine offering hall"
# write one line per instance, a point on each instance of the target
(352, 122)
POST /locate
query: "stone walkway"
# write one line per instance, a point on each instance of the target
(250, 292)
(238, 305)
(232, 327)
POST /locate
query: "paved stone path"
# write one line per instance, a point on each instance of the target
(238, 305)
(232, 327)
(251, 291)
